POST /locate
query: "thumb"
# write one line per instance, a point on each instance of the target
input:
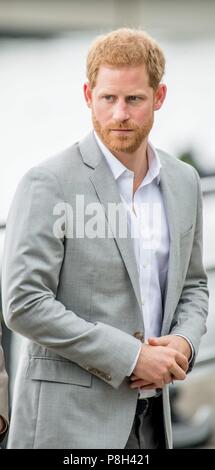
(153, 341)
(161, 341)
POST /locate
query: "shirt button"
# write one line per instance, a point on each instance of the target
(142, 301)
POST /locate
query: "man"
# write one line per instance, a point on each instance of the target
(113, 309)
(3, 394)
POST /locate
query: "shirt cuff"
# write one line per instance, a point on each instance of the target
(192, 348)
(134, 363)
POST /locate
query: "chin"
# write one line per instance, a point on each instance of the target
(121, 145)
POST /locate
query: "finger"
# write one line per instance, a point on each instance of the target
(152, 385)
(135, 385)
(139, 383)
(133, 377)
(182, 361)
(177, 372)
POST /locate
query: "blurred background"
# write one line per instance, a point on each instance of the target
(43, 48)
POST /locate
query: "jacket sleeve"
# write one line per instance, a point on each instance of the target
(33, 257)
(191, 313)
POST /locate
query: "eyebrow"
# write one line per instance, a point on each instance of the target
(135, 93)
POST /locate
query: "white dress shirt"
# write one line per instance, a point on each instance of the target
(149, 230)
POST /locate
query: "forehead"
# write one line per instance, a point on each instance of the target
(124, 77)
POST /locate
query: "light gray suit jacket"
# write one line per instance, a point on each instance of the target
(77, 300)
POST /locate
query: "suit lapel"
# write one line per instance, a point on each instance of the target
(107, 192)
(168, 189)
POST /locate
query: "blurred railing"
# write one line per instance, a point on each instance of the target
(206, 354)
(208, 185)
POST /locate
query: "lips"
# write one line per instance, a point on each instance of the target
(121, 131)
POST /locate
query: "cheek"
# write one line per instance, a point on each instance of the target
(102, 114)
(143, 114)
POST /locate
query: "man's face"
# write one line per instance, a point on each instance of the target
(123, 105)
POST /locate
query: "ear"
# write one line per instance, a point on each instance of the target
(160, 95)
(88, 94)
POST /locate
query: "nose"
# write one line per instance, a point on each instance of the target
(120, 112)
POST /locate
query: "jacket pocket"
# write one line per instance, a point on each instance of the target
(57, 370)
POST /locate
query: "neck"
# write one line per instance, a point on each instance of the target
(136, 162)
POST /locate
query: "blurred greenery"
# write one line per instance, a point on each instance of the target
(189, 157)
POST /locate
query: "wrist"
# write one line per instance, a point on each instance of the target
(185, 347)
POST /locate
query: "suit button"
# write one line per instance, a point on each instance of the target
(108, 377)
(105, 376)
(139, 335)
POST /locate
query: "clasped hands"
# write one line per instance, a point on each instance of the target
(161, 361)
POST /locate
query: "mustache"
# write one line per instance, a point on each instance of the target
(126, 125)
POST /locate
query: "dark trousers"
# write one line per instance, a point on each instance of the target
(148, 427)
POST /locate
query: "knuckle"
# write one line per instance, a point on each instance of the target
(170, 364)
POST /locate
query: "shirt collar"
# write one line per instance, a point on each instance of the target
(117, 168)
